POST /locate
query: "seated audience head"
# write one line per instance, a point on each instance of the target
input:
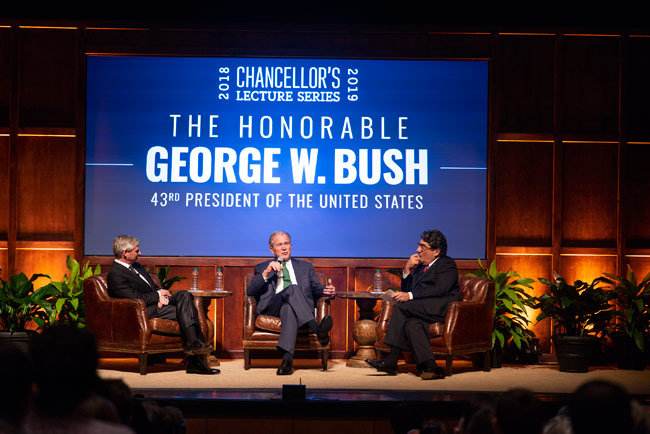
(600, 406)
(518, 411)
(65, 369)
(478, 416)
(119, 393)
(405, 417)
(15, 384)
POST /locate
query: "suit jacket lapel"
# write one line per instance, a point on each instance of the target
(137, 280)
(421, 272)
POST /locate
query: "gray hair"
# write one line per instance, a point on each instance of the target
(123, 243)
(275, 234)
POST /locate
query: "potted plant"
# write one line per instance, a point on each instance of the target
(581, 315)
(510, 317)
(21, 305)
(166, 282)
(69, 304)
(631, 334)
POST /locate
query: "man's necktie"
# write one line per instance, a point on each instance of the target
(285, 277)
(425, 269)
(137, 273)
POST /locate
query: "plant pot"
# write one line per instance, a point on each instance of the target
(496, 357)
(626, 353)
(20, 339)
(574, 353)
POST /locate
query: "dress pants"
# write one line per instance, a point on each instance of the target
(410, 324)
(294, 310)
(181, 308)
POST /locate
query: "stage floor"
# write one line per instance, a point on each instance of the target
(543, 379)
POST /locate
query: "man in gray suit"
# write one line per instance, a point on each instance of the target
(286, 287)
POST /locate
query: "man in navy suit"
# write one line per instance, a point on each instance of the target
(286, 287)
(429, 284)
(128, 279)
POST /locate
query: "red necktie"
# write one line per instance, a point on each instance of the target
(425, 269)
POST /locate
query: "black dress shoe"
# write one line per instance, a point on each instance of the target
(381, 366)
(197, 347)
(324, 328)
(196, 366)
(286, 368)
(433, 373)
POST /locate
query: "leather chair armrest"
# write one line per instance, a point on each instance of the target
(468, 323)
(128, 321)
(250, 308)
(322, 308)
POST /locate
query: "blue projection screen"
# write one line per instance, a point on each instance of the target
(354, 158)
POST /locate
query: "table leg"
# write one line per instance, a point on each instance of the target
(364, 334)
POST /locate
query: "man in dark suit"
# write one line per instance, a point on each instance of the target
(128, 279)
(286, 287)
(429, 284)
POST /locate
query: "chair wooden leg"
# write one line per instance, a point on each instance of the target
(487, 362)
(247, 358)
(142, 358)
(324, 357)
(449, 361)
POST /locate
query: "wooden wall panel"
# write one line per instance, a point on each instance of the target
(4, 264)
(590, 191)
(48, 78)
(636, 206)
(589, 85)
(43, 261)
(524, 84)
(640, 265)
(454, 46)
(636, 89)
(46, 188)
(524, 193)
(586, 268)
(534, 267)
(5, 76)
(4, 187)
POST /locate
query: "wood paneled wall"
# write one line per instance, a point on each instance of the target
(569, 142)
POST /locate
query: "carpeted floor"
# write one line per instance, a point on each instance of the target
(544, 378)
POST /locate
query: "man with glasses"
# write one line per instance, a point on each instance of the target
(286, 287)
(429, 284)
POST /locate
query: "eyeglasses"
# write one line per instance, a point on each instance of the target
(423, 247)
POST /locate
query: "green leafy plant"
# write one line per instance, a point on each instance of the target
(21, 304)
(580, 309)
(511, 299)
(166, 282)
(634, 301)
(68, 295)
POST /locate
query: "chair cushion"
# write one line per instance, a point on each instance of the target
(274, 324)
(268, 323)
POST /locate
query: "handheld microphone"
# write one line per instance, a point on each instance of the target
(281, 261)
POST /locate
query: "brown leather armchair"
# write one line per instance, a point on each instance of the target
(121, 324)
(467, 328)
(262, 332)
